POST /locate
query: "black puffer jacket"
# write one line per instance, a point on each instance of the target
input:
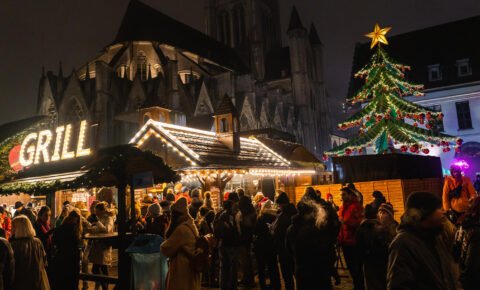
(418, 260)
(7, 265)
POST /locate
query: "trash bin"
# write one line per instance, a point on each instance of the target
(149, 266)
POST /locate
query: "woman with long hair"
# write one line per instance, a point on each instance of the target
(30, 257)
(100, 253)
(66, 261)
(180, 247)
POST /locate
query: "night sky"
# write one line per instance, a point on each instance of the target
(35, 33)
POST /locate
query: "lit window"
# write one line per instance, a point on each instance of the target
(463, 67)
(463, 115)
(437, 124)
(434, 73)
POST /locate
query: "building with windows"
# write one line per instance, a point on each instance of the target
(156, 61)
(449, 68)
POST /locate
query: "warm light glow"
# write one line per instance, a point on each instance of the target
(44, 139)
(81, 141)
(28, 148)
(58, 143)
(66, 154)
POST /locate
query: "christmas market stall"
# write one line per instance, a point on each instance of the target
(222, 160)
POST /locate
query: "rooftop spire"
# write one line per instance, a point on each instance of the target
(295, 22)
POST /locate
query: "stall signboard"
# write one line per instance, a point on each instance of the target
(52, 146)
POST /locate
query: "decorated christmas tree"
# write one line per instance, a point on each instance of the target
(382, 120)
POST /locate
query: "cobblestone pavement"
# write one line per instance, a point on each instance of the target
(346, 282)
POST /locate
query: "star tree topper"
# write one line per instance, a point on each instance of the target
(378, 35)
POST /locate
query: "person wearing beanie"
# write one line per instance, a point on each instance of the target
(330, 201)
(374, 236)
(264, 251)
(378, 199)
(458, 190)
(156, 222)
(418, 257)
(180, 248)
(279, 231)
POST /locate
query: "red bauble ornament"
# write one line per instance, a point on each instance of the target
(348, 151)
(440, 116)
(429, 115)
(343, 127)
(459, 141)
(387, 116)
(415, 124)
(325, 157)
(404, 148)
(14, 158)
(428, 126)
(446, 149)
(414, 148)
(425, 151)
(360, 150)
(367, 118)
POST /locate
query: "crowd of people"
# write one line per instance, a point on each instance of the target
(257, 240)
(36, 256)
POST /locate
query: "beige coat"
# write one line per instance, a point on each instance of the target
(100, 253)
(180, 248)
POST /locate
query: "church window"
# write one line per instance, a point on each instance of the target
(223, 125)
(188, 76)
(141, 64)
(75, 114)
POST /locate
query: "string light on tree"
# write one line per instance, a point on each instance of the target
(382, 120)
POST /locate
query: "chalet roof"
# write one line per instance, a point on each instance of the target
(429, 46)
(203, 148)
(142, 22)
(294, 152)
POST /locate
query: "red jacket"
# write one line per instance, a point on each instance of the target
(351, 215)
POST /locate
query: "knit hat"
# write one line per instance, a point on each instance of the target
(282, 198)
(387, 208)
(18, 204)
(154, 210)
(180, 206)
(425, 202)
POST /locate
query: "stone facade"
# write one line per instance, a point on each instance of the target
(156, 61)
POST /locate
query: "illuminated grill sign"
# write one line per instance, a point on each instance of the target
(36, 148)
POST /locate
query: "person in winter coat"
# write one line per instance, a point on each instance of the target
(468, 247)
(101, 254)
(332, 202)
(312, 246)
(180, 248)
(418, 259)
(6, 222)
(378, 199)
(226, 233)
(245, 220)
(457, 192)
(358, 194)
(279, 231)
(263, 247)
(66, 262)
(42, 229)
(351, 215)
(156, 223)
(7, 265)
(207, 201)
(373, 238)
(30, 257)
(20, 209)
